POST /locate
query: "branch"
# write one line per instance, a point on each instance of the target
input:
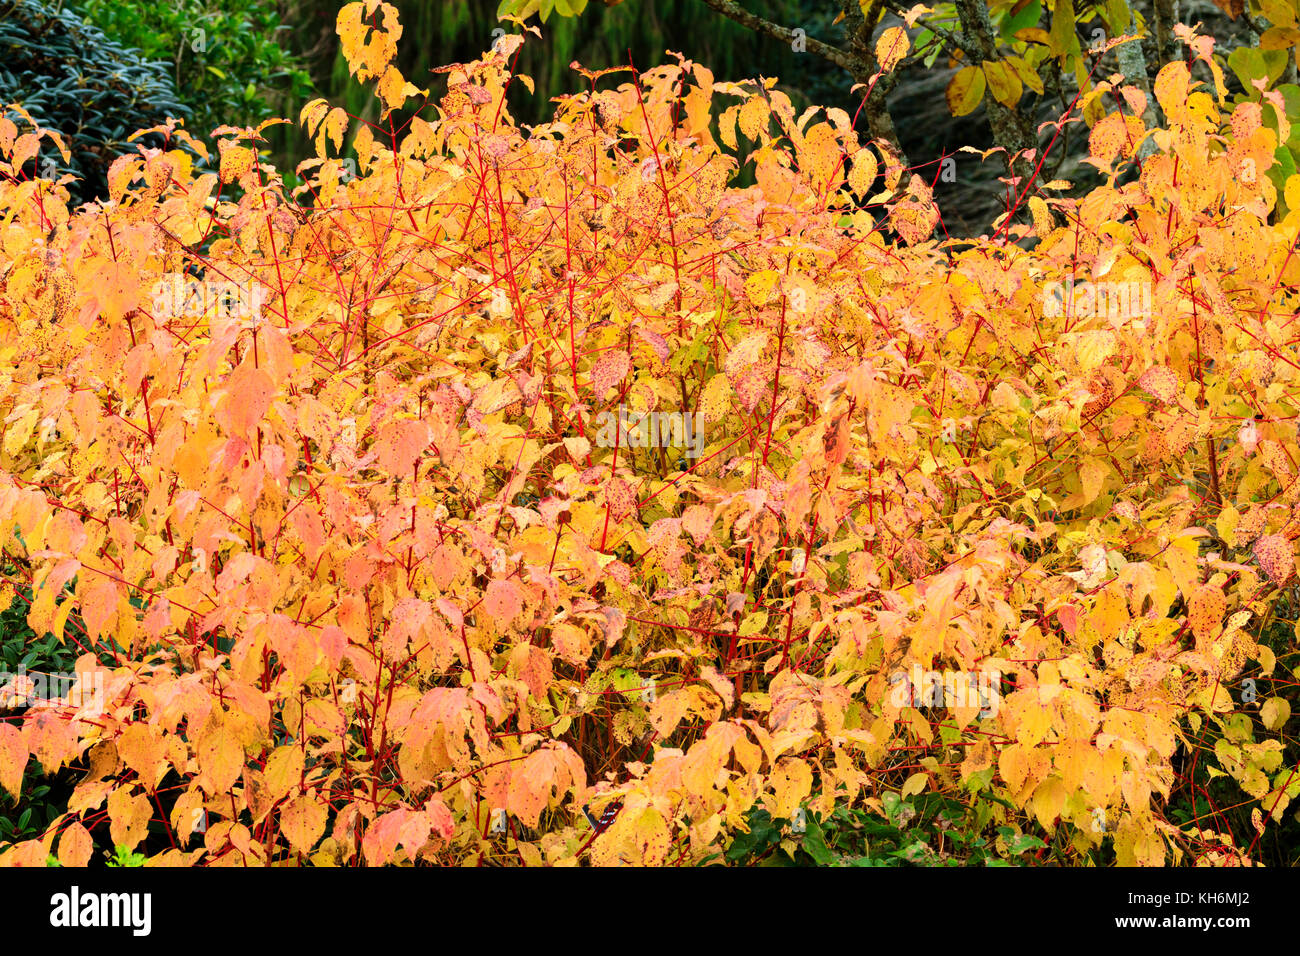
(1011, 130)
(860, 23)
(952, 40)
(733, 11)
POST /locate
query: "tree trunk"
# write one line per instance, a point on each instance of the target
(879, 120)
(1133, 64)
(1168, 48)
(1011, 130)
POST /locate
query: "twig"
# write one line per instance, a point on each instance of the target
(733, 11)
(952, 40)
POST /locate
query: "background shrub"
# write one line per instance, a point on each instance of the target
(73, 78)
(229, 61)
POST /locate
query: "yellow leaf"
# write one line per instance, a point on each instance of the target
(745, 353)
(1048, 801)
(792, 782)
(727, 127)
(302, 821)
(722, 686)
(1003, 82)
(667, 712)
(503, 601)
(821, 153)
(1138, 844)
(892, 46)
(914, 784)
(1275, 713)
(1041, 214)
(1110, 613)
(75, 846)
(759, 286)
(753, 117)
(1032, 722)
(235, 162)
(310, 116)
(979, 756)
(715, 401)
(368, 43)
(1180, 559)
(13, 758)
(129, 817)
(1092, 479)
(249, 392)
(1226, 525)
(187, 813)
(221, 758)
(144, 751)
(394, 90)
(1028, 75)
(965, 90)
(652, 837)
(283, 771)
(863, 173)
(1108, 138)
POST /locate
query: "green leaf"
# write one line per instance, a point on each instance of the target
(1250, 63)
(1117, 16)
(1028, 17)
(1023, 843)
(1064, 39)
(814, 843)
(1283, 170)
(625, 679)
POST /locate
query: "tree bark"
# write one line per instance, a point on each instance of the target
(1133, 64)
(1167, 46)
(880, 121)
(1011, 129)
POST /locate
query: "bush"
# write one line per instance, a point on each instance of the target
(73, 79)
(390, 582)
(24, 656)
(227, 60)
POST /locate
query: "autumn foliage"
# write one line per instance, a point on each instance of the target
(358, 575)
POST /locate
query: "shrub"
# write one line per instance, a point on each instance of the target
(400, 597)
(29, 812)
(227, 61)
(71, 78)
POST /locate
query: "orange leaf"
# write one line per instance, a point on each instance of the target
(249, 392)
(75, 846)
(302, 821)
(503, 601)
(892, 47)
(221, 758)
(13, 758)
